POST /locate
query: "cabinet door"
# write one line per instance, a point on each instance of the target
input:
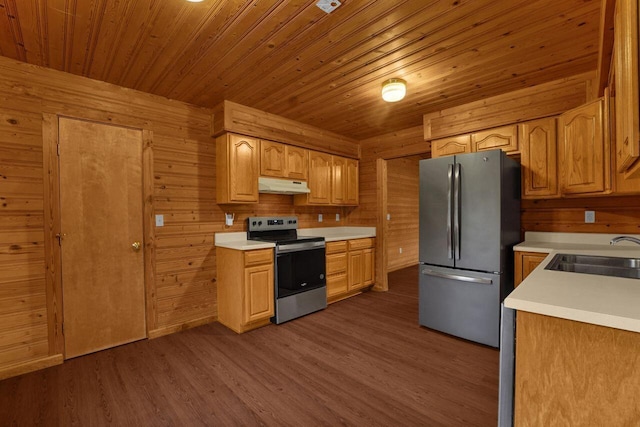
(319, 178)
(368, 266)
(625, 47)
(504, 138)
(352, 187)
(272, 159)
(584, 156)
(297, 162)
(258, 293)
(338, 180)
(538, 146)
(242, 163)
(525, 263)
(355, 270)
(449, 146)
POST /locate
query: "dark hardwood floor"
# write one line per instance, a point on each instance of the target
(362, 362)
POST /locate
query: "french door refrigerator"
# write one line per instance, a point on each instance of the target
(469, 222)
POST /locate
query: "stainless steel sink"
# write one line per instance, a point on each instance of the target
(600, 265)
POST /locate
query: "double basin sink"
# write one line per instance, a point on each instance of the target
(601, 265)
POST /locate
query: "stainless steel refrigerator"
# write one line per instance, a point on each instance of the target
(469, 222)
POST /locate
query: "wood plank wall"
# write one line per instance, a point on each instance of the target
(183, 256)
(403, 182)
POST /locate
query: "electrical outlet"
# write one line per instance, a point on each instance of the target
(400, 250)
(337, 217)
(388, 217)
(589, 217)
(159, 220)
(319, 217)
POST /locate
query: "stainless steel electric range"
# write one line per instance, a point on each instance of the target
(300, 282)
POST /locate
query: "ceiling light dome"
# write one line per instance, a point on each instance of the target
(393, 90)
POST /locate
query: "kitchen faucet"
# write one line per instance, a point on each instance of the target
(623, 238)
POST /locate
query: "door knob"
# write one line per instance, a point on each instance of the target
(136, 246)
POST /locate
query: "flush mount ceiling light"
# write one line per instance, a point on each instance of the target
(393, 90)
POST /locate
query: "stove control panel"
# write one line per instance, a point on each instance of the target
(263, 223)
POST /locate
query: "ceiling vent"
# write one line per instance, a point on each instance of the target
(328, 5)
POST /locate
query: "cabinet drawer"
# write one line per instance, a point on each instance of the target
(336, 263)
(262, 256)
(336, 285)
(333, 247)
(360, 244)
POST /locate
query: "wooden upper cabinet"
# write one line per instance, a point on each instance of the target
(448, 146)
(272, 159)
(283, 161)
(320, 176)
(627, 143)
(352, 184)
(237, 169)
(504, 138)
(538, 147)
(296, 162)
(583, 150)
(344, 181)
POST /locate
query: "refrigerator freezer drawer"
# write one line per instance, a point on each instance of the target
(461, 303)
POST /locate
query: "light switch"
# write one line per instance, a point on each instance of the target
(159, 220)
(388, 217)
(337, 217)
(319, 217)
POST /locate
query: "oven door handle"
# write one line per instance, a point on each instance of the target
(296, 247)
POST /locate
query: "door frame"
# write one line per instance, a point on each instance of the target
(53, 278)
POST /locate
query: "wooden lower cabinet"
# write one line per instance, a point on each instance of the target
(525, 263)
(575, 374)
(350, 267)
(245, 288)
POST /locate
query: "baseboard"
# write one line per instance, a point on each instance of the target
(181, 327)
(30, 366)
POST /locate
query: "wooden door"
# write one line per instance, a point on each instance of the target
(258, 293)
(504, 138)
(319, 178)
(584, 157)
(538, 148)
(297, 162)
(272, 159)
(449, 146)
(627, 141)
(101, 208)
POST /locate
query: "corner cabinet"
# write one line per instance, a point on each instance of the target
(525, 263)
(538, 149)
(237, 169)
(245, 288)
(584, 151)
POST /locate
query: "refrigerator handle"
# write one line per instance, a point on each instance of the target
(449, 235)
(458, 277)
(456, 211)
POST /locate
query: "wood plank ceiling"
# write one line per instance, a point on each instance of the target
(292, 59)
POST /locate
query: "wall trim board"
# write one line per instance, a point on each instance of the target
(30, 366)
(232, 117)
(156, 333)
(381, 282)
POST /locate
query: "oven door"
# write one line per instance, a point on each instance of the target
(299, 270)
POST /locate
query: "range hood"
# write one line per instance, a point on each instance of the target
(282, 186)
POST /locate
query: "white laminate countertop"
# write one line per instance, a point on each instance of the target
(238, 240)
(601, 300)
